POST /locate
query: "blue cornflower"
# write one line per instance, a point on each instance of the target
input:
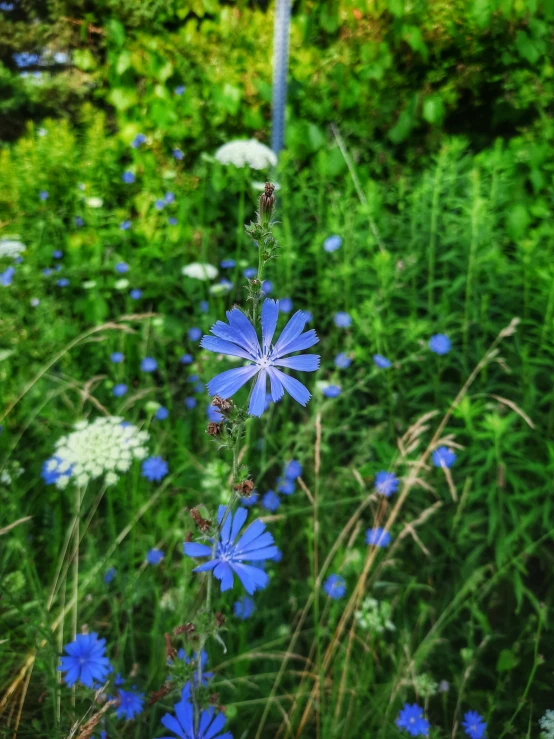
(119, 390)
(386, 483)
(135, 294)
(194, 333)
(190, 403)
(122, 267)
(78, 221)
(47, 271)
(182, 724)
(85, 660)
(110, 574)
(139, 139)
(255, 544)
(439, 344)
(285, 486)
(226, 284)
(178, 154)
(332, 243)
(6, 276)
(130, 704)
(331, 391)
(227, 263)
(267, 287)
(159, 204)
(199, 387)
(186, 359)
(285, 305)
(411, 719)
(239, 339)
(148, 364)
(172, 221)
(128, 178)
(342, 361)
(57, 253)
(293, 469)
(342, 320)
(154, 469)
(474, 725)
(271, 501)
(381, 362)
(204, 306)
(118, 680)
(443, 457)
(250, 272)
(126, 225)
(154, 556)
(117, 357)
(378, 537)
(62, 282)
(179, 90)
(43, 195)
(26, 59)
(161, 414)
(244, 607)
(335, 587)
(169, 198)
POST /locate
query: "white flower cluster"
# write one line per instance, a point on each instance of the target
(105, 446)
(199, 271)
(547, 725)
(246, 152)
(374, 616)
(10, 247)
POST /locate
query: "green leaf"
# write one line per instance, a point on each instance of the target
(433, 109)
(506, 661)
(122, 97)
(83, 59)
(116, 32)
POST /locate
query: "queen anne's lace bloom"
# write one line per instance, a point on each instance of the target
(11, 248)
(200, 271)
(547, 725)
(104, 447)
(246, 152)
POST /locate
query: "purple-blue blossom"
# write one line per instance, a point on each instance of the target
(154, 556)
(386, 483)
(271, 501)
(161, 414)
(154, 469)
(190, 403)
(342, 361)
(439, 344)
(148, 364)
(194, 333)
(178, 154)
(332, 243)
(443, 457)
(411, 720)
(285, 306)
(254, 545)
(186, 359)
(131, 704)
(6, 276)
(335, 587)
(381, 362)
(182, 724)
(117, 357)
(331, 391)
(378, 537)
(244, 607)
(342, 319)
(85, 660)
(135, 294)
(238, 338)
(121, 267)
(474, 725)
(119, 390)
(128, 178)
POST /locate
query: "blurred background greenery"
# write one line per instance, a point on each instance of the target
(422, 134)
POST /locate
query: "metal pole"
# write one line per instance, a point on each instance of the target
(280, 68)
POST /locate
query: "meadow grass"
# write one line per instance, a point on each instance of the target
(465, 577)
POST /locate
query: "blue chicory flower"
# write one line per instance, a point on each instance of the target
(169, 198)
(190, 403)
(161, 414)
(178, 154)
(255, 544)
(293, 469)
(251, 500)
(285, 486)
(130, 704)
(43, 195)
(154, 556)
(126, 225)
(117, 357)
(331, 391)
(139, 139)
(378, 537)
(332, 243)
(335, 586)
(227, 263)
(342, 361)
(119, 390)
(186, 359)
(159, 204)
(57, 254)
(172, 221)
(267, 287)
(195, 334)
(381, 362)
(6, 277)
(239, 339)
(122, 267)
(386, 483)
(411, 719)
(474, 725)
(110, 574)
(250, 272)
(62, 282)
(154, 469)
(439, 344)
(179, 90)
(342, 319)
(271, 501)
(148, 364)
(128, 178)
(51, 471)
(244, 607)
(183, 726)
(85, 660)
(285, 306)
(443, 457)
(135, 294)
(78, 221)
(204, 306)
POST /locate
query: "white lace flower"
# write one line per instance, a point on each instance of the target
(246, 152)
(11, 247)
(547, 725)
(103, 447)
(94, 202)
(374, 616)
(199, 271)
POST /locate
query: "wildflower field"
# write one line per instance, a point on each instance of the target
(276, 428)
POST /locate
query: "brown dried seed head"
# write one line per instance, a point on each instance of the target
(157, 695)
(222, 404)
(245, 488)
(220, 619)
(214, 429)
(203, 524)
(170, 650)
